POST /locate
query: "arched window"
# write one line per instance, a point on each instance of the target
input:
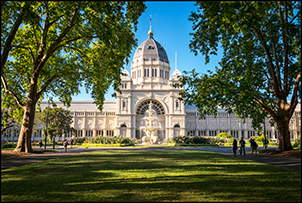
(141, 109)
(123, 130)
(176, 130)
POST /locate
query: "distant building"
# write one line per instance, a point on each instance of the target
(150, 80)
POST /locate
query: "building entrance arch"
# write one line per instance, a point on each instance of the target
(141, 113)
(123, 130)
(176, 130)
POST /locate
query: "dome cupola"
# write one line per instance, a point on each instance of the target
(150, 50)
(150, 62)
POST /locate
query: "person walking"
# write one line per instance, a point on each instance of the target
(254, 146)
(71, 143)
(242, 146)
(234, 147)
(40, 143)
(65, 143)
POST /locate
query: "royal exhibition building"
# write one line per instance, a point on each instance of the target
(149, 83)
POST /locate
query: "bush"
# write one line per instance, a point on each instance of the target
(223, 134)
(8, 145)
(79, 140)
(194, 140)
(110, 140)
(260, 138)
(298, 140)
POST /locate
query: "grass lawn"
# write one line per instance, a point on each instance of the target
(131, 175)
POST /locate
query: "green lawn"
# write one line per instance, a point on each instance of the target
(135, 175)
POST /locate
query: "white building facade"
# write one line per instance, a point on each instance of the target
(151, 81)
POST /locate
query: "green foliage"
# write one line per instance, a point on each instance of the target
(8, 145)
(110, 140)
(79, 140)
(298, 140)
(260, 65)
(260, 138)
(90, 52)
(195, 140)
(51, 48)
(224, 134)
(57, 121)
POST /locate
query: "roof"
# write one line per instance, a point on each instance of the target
(151, 50)
(175, 73)
(84, 105)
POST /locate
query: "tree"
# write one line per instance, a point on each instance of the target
(53, 47)
(260, 67)
(223, 134)
(57, 120)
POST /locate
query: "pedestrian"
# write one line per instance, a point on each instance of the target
(254, 146)
(242, 146)
(65, 143)
(266, 143)
(234, 147)
(71, 143)
(40, 143)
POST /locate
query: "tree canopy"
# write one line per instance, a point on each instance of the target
(51, 48)
(260, 68)
(57, 120)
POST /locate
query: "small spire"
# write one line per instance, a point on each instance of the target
(150, 33)
(150, 22)
(175, 60)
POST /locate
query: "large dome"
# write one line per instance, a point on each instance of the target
(150, 50)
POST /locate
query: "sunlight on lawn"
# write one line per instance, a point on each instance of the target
(150, 176)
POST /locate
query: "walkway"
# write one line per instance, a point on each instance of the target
(292, 163)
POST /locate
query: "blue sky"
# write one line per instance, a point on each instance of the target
(171, 29)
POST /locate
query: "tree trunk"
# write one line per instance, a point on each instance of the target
(24, 141)
(284, 134)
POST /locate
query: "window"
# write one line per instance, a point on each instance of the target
(79, 113)
(161, 73)
(191, 133)
(202, 133)
(89, 133)
(99, 132)
(124, 105)
(152, 72)
(155, 72)
(145, 72)
(166, 74)
(79, 133)
(110, 133)
(177, 105)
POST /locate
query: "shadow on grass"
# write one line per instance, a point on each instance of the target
(150, 176)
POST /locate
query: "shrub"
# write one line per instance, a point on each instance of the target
(298, 140)
(193, 140)
(110, 140)
(260, 138)
(223, 134)
(8, 145)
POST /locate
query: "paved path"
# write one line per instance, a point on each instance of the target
(292, 163)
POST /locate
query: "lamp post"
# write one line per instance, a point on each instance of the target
(46, 124)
